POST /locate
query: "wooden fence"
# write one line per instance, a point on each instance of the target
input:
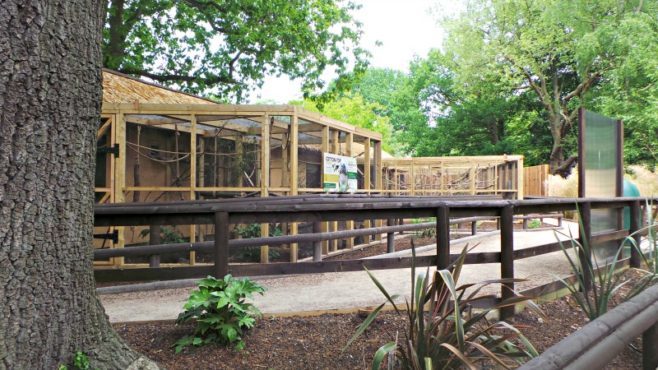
(342, 208)
(535, 180)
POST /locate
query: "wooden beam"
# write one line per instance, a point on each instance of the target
(265, 181)
(325, 149)
(507, 258)
(519, 175)
(294, 175)
(335, 149)
(193, 180)
(366, 182)
(101, 131)
(349, 225)
(120, 177)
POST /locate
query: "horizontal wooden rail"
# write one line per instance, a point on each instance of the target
(383, 263)
(149, 250)
(324, 209)
(317, 208)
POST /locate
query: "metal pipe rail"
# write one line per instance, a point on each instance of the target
(598, 342)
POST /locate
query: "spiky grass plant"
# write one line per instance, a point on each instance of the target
(444, 331)
(650, 258)
(594, 300)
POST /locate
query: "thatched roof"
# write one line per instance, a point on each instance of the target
(120, 88)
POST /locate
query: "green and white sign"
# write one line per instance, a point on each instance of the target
(339, 173)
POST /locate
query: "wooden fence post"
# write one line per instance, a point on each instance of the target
(634, 227)
(317, 245)
(442, 237)
(221, 244)
(390, 237)
(507, 258)
(585, 240)
(154, 239)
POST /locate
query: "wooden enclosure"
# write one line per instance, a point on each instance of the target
(159, 145)
(535, 180)
(484, 175)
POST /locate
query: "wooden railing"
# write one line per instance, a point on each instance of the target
(317, 209)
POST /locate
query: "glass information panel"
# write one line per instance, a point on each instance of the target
(600, 148)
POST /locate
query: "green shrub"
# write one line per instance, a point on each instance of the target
(252, 254)
(424, 233)
(168, 235)
(220, 312)
(80, 362)
(534, 224)
(248, 231)
(450, 334)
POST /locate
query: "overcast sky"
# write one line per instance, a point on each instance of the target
(407, 28)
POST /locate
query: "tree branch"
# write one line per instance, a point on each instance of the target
(170, 77)
(582, 87)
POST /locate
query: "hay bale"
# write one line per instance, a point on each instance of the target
(646, 180)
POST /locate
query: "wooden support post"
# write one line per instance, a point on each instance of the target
(335, 149)
(317, 246)
(634, 227)
(442, 237)
(507, 258)
(193, 180)
(367, 182)
(120, 177)
(390, 237)
(379, 172)
(520, 186)
(221, 244)
(413, 178)
(496, 180)
(285, 171)
(349, 225)
(265, 181)
(471, 178)
(294, 175)
(239, 151)
(474, 227)
(154, 239)
(325, 149)
(585, 238)
(201, 182)
(650, 348)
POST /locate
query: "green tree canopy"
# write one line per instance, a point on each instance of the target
(225, 47)
(563, 51)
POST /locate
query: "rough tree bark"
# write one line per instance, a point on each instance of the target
(50, 94)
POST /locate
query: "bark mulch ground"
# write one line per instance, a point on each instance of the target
(317, 342)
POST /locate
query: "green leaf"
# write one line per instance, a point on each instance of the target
(381, 354)
(364, 325)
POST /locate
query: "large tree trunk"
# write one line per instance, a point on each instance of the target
(50, 94)
(557, 154)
